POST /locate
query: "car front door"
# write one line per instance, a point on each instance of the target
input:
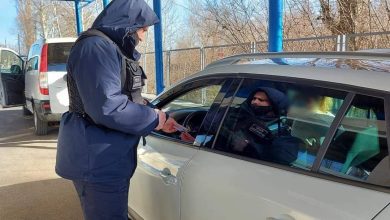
(155, 186)
(316, 164)
(11, 79)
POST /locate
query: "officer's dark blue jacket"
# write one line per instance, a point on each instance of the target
(106, 152)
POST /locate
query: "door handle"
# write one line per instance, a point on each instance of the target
(167, 177)
(281, 217)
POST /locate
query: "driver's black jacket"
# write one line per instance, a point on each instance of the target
(275, 144)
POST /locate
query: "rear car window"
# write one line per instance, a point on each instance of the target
(58, 54)
(359, 149)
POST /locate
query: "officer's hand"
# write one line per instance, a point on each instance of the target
(170, 126)
(162, 118)
(185, 136)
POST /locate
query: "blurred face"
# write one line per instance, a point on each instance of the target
(260, 99)
(141, 33)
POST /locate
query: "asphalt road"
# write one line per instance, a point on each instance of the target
(29, 187)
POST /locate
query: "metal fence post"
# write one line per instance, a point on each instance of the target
(202, 66)
(253, 47)
(168, 68)
(346, 42)
(341, 43)
(79, 17)
(338, 43)
(202, 58)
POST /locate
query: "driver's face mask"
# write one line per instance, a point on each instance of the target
(261, 110)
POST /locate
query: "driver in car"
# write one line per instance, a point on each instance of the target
(260, 132)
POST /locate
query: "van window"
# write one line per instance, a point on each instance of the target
(57, 56)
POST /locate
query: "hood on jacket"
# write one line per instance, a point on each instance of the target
(278, 99)
(121, 19)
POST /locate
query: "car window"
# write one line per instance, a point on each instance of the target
(32, 64)
(198, 98)
(57, 56)
(360, 144)
(10, 63)
(278, 122)
(190, 109)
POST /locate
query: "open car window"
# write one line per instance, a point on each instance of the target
(289, 129)
(10, 63)
(190, 109)
(200, 98)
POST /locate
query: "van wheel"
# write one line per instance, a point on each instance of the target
(41, 127)
(26, 112)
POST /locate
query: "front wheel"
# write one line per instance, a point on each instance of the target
(41, 126)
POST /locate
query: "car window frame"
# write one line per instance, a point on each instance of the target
(29, 62)
(351, 91)
(387, 116)
(334, 126)
(177, 91)
(17, 56)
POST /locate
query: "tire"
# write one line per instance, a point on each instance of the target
(41, 127)
(26, 112)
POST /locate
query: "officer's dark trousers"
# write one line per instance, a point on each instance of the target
(103, 201)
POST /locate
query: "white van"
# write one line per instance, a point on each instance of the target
(46, 91)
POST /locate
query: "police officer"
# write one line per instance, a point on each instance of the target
(98, 137)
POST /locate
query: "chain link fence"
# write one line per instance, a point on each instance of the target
(181, 63)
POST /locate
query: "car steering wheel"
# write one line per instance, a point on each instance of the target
(188, 120)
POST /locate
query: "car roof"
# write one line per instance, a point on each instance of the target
(369, 70)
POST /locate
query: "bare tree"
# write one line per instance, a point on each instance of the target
(232, 21)
(27, 26)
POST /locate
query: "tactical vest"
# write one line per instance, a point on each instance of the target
(132, 77)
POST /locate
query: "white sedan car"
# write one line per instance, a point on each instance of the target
(318, 150)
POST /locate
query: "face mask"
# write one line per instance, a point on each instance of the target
(136, 39)
(261, 110)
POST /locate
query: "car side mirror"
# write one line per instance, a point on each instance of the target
(65, 77)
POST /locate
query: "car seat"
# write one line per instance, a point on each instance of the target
(365, 146)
